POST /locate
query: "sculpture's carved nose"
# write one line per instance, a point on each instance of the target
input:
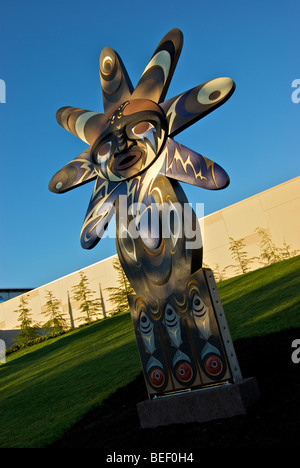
(121, 141)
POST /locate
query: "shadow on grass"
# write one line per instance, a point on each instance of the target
(273, 422)
(52, 400)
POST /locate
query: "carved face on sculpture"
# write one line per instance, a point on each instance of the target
(133, 137)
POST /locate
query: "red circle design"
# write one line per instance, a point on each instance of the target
(213, 365)
(184, 372)
(157, 377)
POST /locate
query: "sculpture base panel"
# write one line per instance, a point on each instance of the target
(219, 402)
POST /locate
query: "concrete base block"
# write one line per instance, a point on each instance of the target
(223, 401)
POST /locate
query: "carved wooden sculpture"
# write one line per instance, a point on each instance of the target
(180, 327)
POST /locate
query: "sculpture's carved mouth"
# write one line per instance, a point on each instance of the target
(126, 160)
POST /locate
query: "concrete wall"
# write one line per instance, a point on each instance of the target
(276, 210)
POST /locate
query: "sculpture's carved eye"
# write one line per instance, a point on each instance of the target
(184, 372)
(104, 151)
(157, 377)
(142, 129)
(213, 364)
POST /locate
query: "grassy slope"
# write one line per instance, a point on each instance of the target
(263, 301)
(46, 388)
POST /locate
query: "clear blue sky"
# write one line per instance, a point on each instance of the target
(49, 59)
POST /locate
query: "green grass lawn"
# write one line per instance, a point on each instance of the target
(48, 387)
(263, 301)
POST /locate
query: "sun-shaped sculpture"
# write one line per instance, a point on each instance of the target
(132, 155)
(131, 143)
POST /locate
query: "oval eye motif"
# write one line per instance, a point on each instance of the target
(104, 151)
(215, 90)
(142, 128)
(184, 372)
(199, 308)
(157, 377)
(213, 365)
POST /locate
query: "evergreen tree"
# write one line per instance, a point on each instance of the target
(81, 293)
(118, 295)
(270, 253)
(239, 255)
(286, 251)
(56, 323)
(219, 273)
(28, 330)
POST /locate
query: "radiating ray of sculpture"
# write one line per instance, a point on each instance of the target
(136, 166)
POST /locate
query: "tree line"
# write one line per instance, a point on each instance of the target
(270, 253)
(90, 307)
(56, 323)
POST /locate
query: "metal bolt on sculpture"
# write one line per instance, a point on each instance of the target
(181, 331)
